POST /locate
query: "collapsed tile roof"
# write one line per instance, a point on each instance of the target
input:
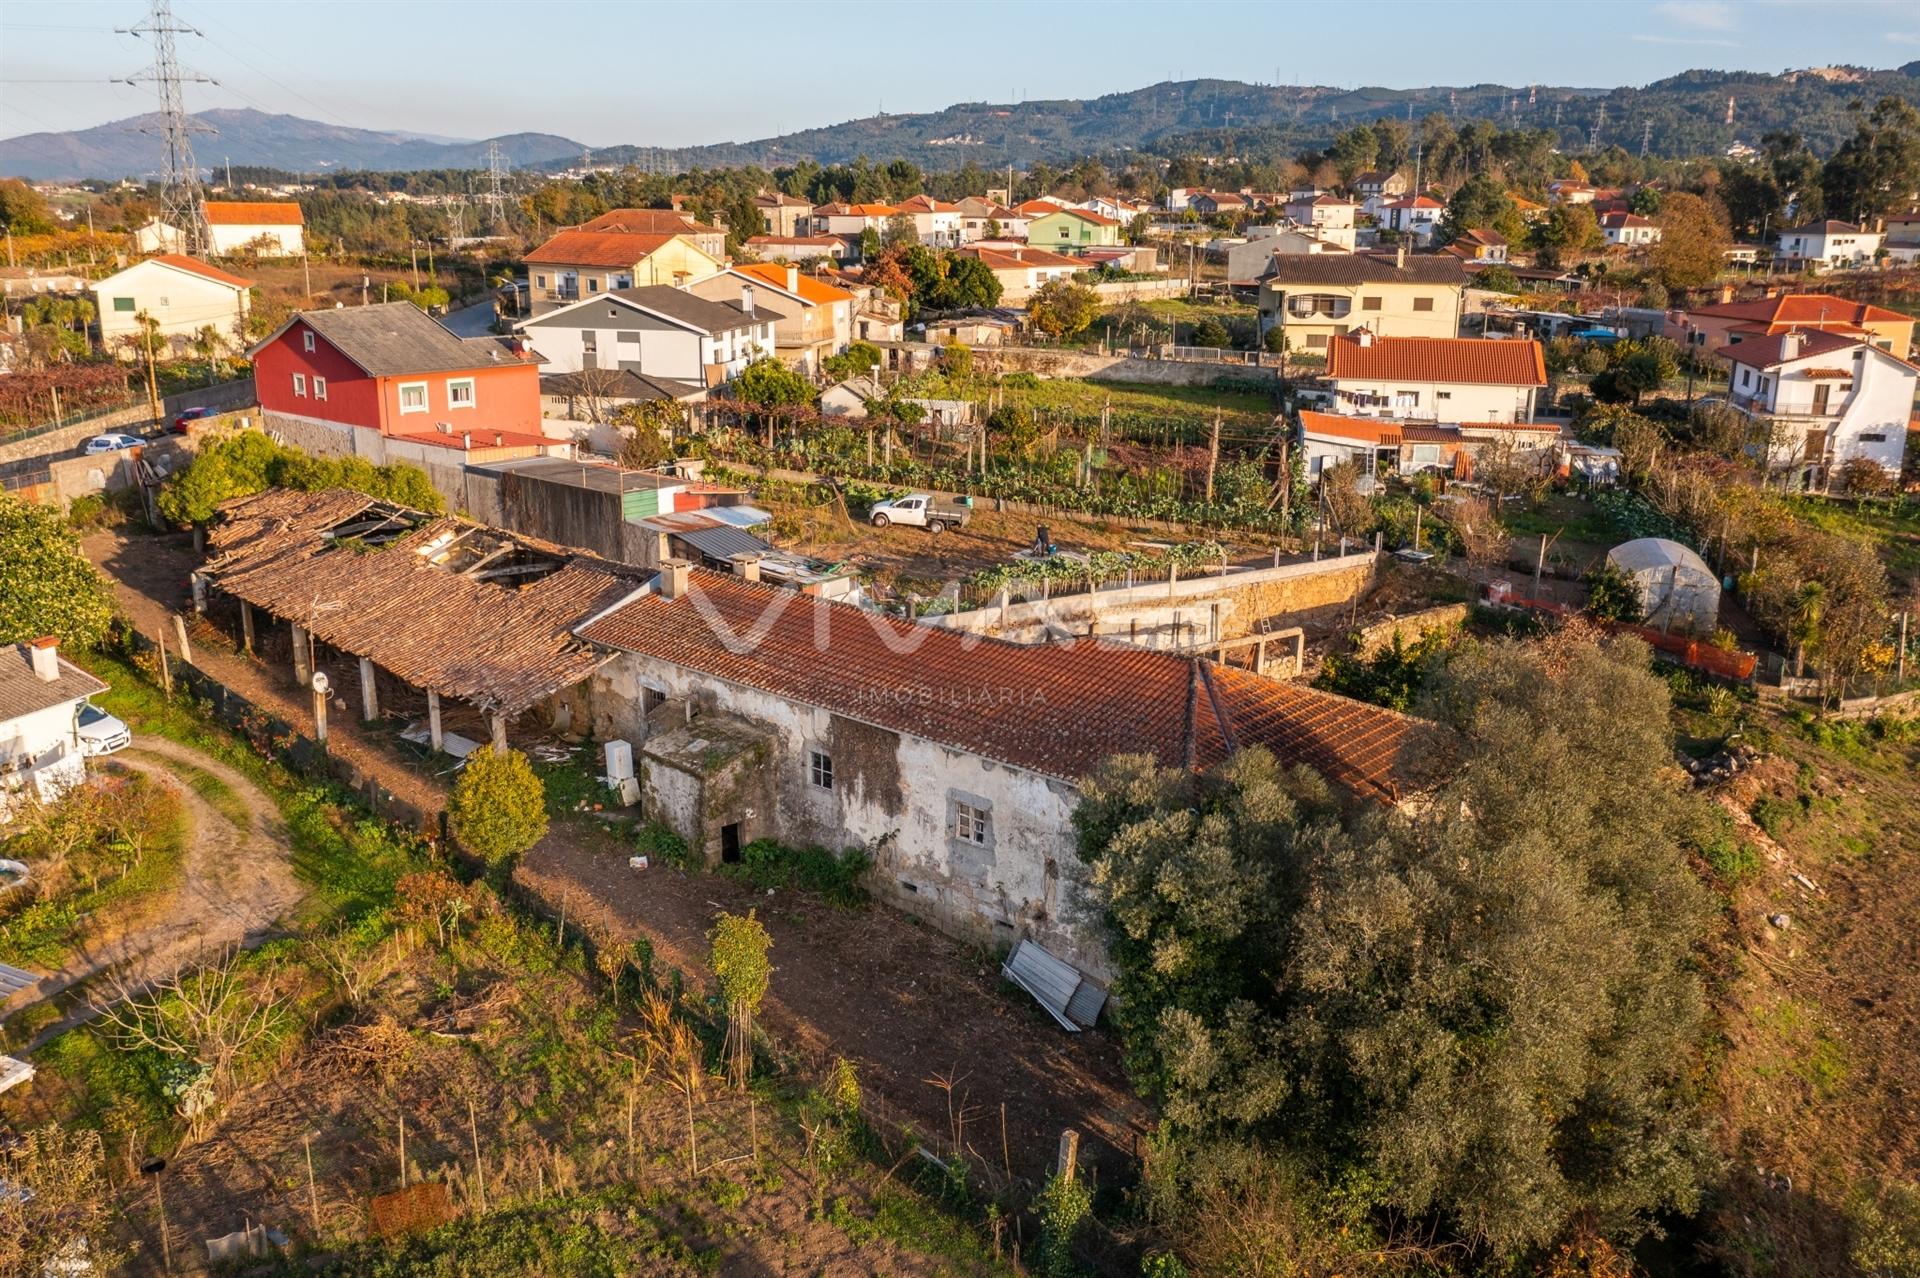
(1055, 710)
(446, 604)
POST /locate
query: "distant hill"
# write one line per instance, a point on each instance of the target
(123, 149)
(1682, 115)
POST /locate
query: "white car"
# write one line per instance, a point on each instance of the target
(109, 444)
(100, 732)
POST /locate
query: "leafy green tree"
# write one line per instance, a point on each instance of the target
(900, 231)
(47, 587)
(23, 210)
(1612, 594)
(1486, 1011)
(1876, 170)
(1391, 676)
(1497, 279)
(1646, 201)
(1354, 151)
(1480, 203)
(1061, 308)
(1567, 231)
(1694, 240)
(967, 281)
(1275, 340)
(737, 956)
(1211, 332)
(767, 383)
(855, 361)
(498, 808)
(249, 461)
(870, 245)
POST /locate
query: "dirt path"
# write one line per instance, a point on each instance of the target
(237, 882)
(901, 1001)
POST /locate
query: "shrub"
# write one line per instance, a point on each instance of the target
(1611, 594)
(499, 807)
(661, 846)
(767, 863)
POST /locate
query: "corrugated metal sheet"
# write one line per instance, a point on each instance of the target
(13, 980)
(722, 543)
(1056, 985)
(640, 503)
(738, 516)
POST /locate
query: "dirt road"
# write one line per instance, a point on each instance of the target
(237, 882)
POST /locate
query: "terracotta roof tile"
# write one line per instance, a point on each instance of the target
(1056, 710)
(193, 266)
(1817, 310)
(812, 291)
(600, 248)
(1466, 360)
(648, 222)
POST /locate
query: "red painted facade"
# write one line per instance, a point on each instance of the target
(506, 396)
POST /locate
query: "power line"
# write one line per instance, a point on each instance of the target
(266, 75)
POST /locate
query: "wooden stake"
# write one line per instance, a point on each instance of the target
(480, 1168)
(1213, 453)
(1006, 1156)
(403, 1150)
(313, 1190)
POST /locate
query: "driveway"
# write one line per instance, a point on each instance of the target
(471, 321)
(237, 883)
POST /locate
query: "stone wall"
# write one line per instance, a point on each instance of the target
(1098, 367)
(1181, 613)
(1114, 291)
(1370, 639)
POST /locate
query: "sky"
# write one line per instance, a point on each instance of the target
(683, 74)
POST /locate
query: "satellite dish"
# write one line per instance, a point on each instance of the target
(321, 684)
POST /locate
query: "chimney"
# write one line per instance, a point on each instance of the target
(1400, 258)
(44, 653)
(498, 439)
(746, 299)
(672, 582)
(747, 565)
(793, 279)
(1726, 294)
(1790, 345)
(466, 439)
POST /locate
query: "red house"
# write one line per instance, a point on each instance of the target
(394, 369)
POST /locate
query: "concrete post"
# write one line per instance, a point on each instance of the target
(199, 585)
(180, 633)
(320, 717)
(302, 668)
(433, 721)
(1067, 1163)
(1260, 657)
(246, 626)
(369, 692)
(499, 723)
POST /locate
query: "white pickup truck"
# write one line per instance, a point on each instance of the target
(921, 511)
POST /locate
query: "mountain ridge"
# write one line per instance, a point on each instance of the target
(1683, 114)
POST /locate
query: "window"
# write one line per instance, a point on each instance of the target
(1443, 394)
(306, 339)
(460, 392)
(1369, 303)
(1423, 303)
(319, 388)
(1406, 399)
(539, 281)
(300, 385)
(1316, 341)
(1874, 437)
(820, 769)
(123, 305)
(593, 285)
(413, 397)
(970, 824)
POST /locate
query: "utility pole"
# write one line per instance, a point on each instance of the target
(147, 326)
(182, 201)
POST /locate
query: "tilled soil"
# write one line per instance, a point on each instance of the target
(904, 1003)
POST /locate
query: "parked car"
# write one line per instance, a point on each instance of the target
(921, 511)
(100, 732)
(179, 426)
(109, 444)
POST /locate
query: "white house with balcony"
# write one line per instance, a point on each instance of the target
(41, 694)
(1417, 216)
(1459, 380)
(1820, 400)
(1827, 245)
(1629, 230)
(656, 331)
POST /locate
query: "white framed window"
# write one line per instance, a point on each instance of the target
(971, 824)
(306, 339)
(300, 385)
(460, 392)
(319, 387)
(820, 769)
(413, 397)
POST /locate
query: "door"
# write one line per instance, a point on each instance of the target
(730, 843)
(1820, 393)
(589, 349)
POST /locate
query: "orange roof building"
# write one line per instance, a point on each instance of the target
(1729, 323)
(580, 263)
(1448, 379)
(255, 228)
(817, 316)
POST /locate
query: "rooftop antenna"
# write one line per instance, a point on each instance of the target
(182, 201)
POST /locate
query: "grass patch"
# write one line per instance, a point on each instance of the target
(1891, 528)
(836, 876)
(217, 794)
(1086, 398)
(572, 786)
(45, 933)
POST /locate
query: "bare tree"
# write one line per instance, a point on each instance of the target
(61, 1212)
(206, 1012)
(596, 392)
(1485, 543)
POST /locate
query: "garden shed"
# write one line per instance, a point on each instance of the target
(1677, 590)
